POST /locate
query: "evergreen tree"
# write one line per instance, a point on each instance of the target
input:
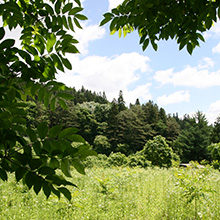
(194, 139)
(121, 102)
(215, 134)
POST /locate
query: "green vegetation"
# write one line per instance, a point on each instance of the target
(156, 20)
(121, 193)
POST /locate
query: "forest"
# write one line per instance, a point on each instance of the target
(111, 127)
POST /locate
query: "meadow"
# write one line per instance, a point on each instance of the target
(123, 194)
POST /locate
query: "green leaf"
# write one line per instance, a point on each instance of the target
(67, 7)
(54, 163)
(189, 48)
(78, 2)
(70, 24)
(46, 189)
(65, 192)
(41, 93)
(42, 130)
(81, 17)
(77, 23)
(65, 167)
(78, 165)
(3, 175)
(45, 170)
(30, 179)
(31, 133)
(75, 10)
(57, 62)
(201, 37)
(37, 184)
(70, 49)
(53, 104)
(51, 40)
(2, 33)
(76, 138)
(55, 191)
(105, 20)
(63, 104)
(66, 63)
(54, 131)
(47, 146)
(71, 151)
(64, 20)
(145, 44)
(47, 98)
(58, 6)
(37, 148)
(35, 163)
(65, 95)
(19, 173)
(67, 132)
(34, 88)
(8, 43)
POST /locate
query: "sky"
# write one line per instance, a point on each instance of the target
(174, 80)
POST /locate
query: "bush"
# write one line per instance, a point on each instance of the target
(138, 160)
(158, 152)
(100, 161)
(214, 149)
(117, 159)
(216, 164)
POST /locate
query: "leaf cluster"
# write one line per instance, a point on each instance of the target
(40, 156)
(155, 20)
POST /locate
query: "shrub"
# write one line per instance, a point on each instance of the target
(117, 159)
(158, 152)
(138, 160)
(100, 161)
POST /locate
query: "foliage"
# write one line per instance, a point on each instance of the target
(215, 134)
(194, 138)
(184, 21)
(113, 193)
(158, 152)
(214, 149)
(101, 145)
(36, 153)
(138, 160)
(194, 186)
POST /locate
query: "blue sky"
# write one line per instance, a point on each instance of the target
(173, 79)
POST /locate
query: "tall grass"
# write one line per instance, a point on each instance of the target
(118, 193)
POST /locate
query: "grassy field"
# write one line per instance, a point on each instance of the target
(121, 193)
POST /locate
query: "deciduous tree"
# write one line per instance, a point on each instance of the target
(155, 20)
(36, 155)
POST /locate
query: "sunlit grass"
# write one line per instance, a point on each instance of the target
(114, 193)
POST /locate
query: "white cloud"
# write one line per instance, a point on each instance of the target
(108, 74)
(213, 111)
(176, 97)
(87, 34)
(114, 3)
(189, 76)
(205, 63)
(216, 49)
(142, 92)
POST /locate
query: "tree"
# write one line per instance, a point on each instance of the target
(121, 102)
(214, 149)
(102, 145)
(36, 155)
(194, 138)
(155, 20)
(215, 134)
(158, 152)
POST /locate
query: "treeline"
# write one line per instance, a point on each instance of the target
(113, 127)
